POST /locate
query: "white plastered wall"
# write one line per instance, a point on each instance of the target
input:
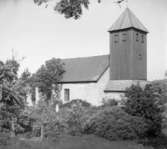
(91, 92)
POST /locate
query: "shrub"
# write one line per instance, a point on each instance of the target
(109, 102)
(75, 120)
(55, 129)
(145, 103)
(4, 138)
(76, 102)
(115, 124)
(70, 119)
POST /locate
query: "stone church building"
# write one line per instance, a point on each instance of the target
(107, 76)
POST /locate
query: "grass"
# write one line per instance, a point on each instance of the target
(74, 142)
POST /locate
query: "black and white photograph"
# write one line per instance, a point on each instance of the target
(83, 74)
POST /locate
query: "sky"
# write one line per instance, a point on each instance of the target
(39, 34)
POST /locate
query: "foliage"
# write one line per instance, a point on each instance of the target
(70, 8)
(115, 124)
(77, 102)
(159, 142)
(11, 99)
(8, 71)
(70, 119)
(4, 138)
(48, 75)
(44, 117)
(43, 113)
(75, 120)
(160, 86)
(109, 102)
(146, 103)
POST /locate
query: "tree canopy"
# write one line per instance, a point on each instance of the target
(71, 8)
(11, 97)
(48, 76)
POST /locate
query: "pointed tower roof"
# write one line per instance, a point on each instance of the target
(127, 20)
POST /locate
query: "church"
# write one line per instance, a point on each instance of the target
(107, 76)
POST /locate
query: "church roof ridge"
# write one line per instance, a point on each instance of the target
(127, 20)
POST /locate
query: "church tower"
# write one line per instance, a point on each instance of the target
(128, 48)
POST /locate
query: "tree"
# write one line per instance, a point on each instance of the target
(11, 101)
(48, 76)
(71, 8)
(43, 115)
(146, 103)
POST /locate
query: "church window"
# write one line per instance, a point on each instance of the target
(66, 94)
(124, 37)
(116, 38)
(137, 36)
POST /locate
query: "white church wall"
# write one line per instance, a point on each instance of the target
(91, 92)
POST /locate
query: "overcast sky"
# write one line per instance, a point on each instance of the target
(39, 34)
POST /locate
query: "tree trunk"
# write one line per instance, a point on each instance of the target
(42, 131)
(12, 128)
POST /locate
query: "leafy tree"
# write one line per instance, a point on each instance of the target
(48, 76)
(145, 103)
(43, 115)
(71, 8)
(25, 76)
(11, 101)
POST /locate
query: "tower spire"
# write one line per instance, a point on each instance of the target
(127, 20)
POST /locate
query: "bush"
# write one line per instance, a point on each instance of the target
(75, 120)
(109, 102)
(145, 103)
(76, 102)
(70, 119)
(4, 138)
(55, 129)
(115, 124)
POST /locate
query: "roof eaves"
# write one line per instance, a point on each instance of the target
(77, 82)
(117, 30)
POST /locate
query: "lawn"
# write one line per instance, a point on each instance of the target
(75, 142)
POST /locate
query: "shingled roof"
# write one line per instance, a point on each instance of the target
(84, 69)
(127, 20)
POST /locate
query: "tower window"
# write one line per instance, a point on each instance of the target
(124, 37)
(137, 36)
(66, 94)
(142, 38)
(116, 38)
(140, 56)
